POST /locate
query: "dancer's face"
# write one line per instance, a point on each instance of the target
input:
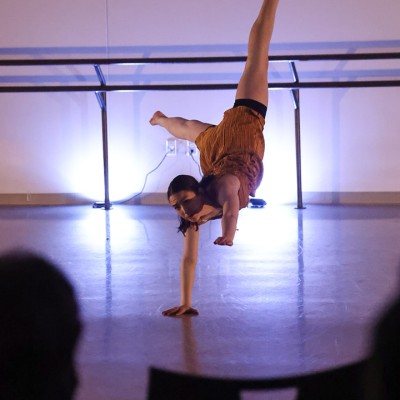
(187, 204)
(192, 207)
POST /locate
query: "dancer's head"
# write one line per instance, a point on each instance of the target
(191, 200)
(39, 329)
(186, 196)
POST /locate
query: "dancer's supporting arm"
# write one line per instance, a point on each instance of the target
(181, 128)
(187, 274)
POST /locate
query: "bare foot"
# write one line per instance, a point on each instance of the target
(154, 120)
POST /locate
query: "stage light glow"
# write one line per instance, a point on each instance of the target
(115, 228)
(88, 176)
(272, 225)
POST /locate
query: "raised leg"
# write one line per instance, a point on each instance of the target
(181, 128)
(254, 81)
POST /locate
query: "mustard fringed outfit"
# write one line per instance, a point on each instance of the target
(235, 146)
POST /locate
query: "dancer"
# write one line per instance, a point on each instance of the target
(231, 156)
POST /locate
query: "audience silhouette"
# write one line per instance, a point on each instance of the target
(39, 329)
(383, 379)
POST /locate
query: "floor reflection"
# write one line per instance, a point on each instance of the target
(189, 345)
(299, 290)
(300, 285)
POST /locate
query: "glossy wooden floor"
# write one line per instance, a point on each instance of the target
(299, 291)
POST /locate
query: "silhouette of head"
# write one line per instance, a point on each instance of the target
(39, 329)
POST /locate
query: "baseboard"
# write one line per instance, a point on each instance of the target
(149, 199)
(356, 198)
(352, 198)
(42, 199)
(344, 198)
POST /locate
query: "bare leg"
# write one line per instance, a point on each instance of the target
(179, 127)
(254, 82)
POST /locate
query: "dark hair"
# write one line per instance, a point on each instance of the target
(39, 329)
(202, 188)
(183, 182)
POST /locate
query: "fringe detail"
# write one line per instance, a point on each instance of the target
(235, 146)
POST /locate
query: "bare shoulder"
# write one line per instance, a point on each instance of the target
(192, 230)
(191, 243)
(227, 185)
(192, 234)
(229, 180)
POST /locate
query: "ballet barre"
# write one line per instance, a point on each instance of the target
(101, 88)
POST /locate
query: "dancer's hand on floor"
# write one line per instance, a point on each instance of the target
(179, 311)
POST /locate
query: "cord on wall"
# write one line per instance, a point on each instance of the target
(153, 170)
(194, 160)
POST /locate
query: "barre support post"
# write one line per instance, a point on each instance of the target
(102, 99)
(296, 103)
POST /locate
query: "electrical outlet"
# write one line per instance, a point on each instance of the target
(170, 146)
(191, 148)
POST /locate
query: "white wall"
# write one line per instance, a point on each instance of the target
(51, 143)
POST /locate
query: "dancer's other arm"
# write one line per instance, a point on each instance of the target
(228, 188)
(187, 274)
